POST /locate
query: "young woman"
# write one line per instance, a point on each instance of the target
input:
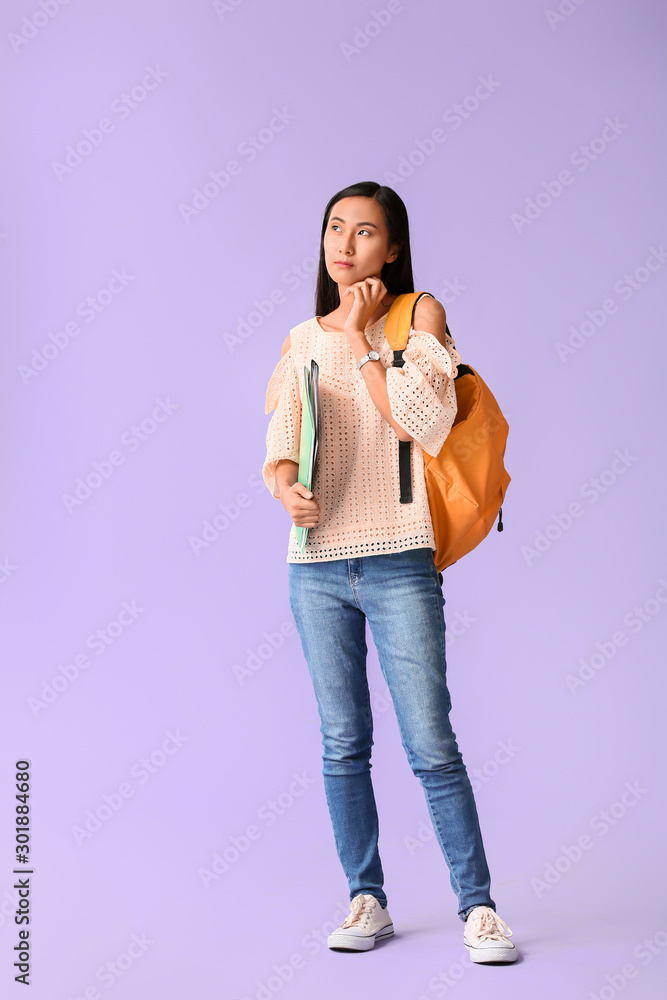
(370, 558)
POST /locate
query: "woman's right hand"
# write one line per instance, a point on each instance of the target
(301, 505)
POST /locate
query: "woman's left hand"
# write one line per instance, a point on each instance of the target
(367, 295)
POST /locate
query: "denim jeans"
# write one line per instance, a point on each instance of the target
(400, 595)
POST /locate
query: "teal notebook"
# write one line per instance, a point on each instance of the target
(309, 433)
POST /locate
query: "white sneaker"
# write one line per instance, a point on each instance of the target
(366, 924)
(486, 937)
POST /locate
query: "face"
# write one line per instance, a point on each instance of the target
(357, 233)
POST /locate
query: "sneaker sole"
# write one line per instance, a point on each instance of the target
(492, 954)
(351, 942)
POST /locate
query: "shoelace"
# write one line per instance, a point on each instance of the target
(489, 924)
(360, 908)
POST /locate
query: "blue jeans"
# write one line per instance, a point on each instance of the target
(400, 595)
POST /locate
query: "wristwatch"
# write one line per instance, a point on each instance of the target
(371, 356)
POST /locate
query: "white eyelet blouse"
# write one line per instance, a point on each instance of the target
(356, 478)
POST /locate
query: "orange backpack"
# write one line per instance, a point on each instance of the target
(466, 481)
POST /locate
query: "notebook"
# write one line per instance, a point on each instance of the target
(309, 433)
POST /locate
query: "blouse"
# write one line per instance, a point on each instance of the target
(356, 476)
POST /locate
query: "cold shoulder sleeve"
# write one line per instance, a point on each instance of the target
(282, 436)
(421, 394)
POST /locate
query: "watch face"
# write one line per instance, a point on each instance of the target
(369, 356)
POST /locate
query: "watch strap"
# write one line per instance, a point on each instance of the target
(370, 356)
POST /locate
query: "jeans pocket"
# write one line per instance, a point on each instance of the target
(437, 575)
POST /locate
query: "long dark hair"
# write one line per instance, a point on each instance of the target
(397, 275)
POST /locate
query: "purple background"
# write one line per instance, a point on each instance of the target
(209, 653)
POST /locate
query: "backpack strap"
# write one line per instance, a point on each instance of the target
(398, 323)
(397, 328)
